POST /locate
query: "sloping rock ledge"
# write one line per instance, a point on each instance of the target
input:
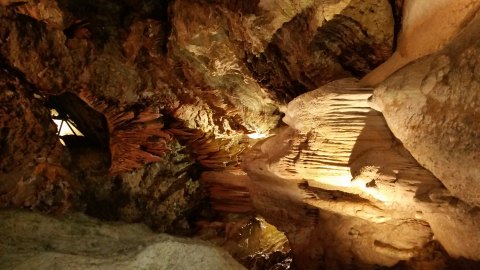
(34, 241)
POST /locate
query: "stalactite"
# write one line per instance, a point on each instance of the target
(211, 153)
(224, 180)
(228, 190)
(134, 139)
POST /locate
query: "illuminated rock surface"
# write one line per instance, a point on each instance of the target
(170, 98)
(432, 107)
(177, 84)
(347, 193)
(426, 28)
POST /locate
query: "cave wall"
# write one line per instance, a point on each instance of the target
(174, 92)
(170, 78)
(32, 159)
(394, 187)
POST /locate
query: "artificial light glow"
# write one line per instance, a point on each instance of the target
(64, 126)
(375, 193)
(342, 179)
(257, 136)
(372, 191)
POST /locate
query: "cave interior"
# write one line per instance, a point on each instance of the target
(228, 134)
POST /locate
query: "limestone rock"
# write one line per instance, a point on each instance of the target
(169, 95)
(165, 79)
(337, 182)
(432, 107)
(31, 157)
(34, 241)
(328, 40)
(201, 43)
(426, 27)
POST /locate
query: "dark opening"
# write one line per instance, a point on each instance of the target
(78, 124)
(83, 130)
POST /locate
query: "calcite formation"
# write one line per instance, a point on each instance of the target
(347, 193)
(435, 113)
(174, 100)
(135, 138)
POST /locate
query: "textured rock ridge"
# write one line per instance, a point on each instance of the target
(348, 194)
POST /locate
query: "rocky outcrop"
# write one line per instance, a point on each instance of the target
(348, 194)
(326, 41)
(31, 158)
(77, 242)
(142, 81)
(432, 107)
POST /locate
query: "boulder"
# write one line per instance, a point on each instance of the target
(35, 241)
(432, 106)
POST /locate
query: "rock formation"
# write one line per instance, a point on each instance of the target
(171, 104)
(434, 112)
(426, 27)
(33, 241)
(348, 194)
